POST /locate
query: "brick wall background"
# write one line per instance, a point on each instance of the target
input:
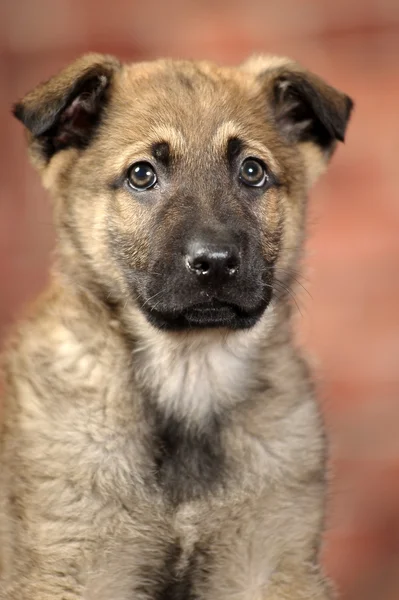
(349, 323)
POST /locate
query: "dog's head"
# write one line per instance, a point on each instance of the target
(180, 187)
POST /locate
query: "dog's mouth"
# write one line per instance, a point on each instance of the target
(183, 303)
(210, 314)
(214, 311)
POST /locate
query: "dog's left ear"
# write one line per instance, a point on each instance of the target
(306, 110)
(64, 111)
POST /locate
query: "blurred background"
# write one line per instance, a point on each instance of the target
(348, 313)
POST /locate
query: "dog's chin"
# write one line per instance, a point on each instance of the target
(208, 315)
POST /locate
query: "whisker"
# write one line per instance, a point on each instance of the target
(152, 297)
(288, 291)
(289, 272)
(296, 279)
(302, 286)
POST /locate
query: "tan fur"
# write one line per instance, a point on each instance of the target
(81, 514)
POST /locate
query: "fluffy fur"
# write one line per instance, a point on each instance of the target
(149, 453)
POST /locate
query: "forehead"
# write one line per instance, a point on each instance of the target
(181, 92)
(189, 105)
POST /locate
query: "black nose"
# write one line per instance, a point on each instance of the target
(212, 260)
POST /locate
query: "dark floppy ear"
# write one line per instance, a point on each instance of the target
(308, 109)
(65, 110)
(305, 108)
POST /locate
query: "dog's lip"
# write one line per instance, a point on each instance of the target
(212, 313)
(212, 304)
(214, 310)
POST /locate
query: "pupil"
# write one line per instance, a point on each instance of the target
(142, 173)
(252, 170)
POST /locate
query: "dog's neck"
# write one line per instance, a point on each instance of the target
(192, 375)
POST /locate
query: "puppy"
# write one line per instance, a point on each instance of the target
(161, 439)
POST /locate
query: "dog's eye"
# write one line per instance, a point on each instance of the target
(141, 176)
(253, 173)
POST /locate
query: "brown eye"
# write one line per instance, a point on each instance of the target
(253, 173)
(142, 176)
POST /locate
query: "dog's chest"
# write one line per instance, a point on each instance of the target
(177, 452)
(190, 463)
(192, 391)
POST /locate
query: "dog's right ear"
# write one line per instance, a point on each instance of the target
(308, 113)
(64, 111)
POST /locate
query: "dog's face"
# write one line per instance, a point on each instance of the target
(180, 187)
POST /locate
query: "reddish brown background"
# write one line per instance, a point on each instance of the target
(350, 324)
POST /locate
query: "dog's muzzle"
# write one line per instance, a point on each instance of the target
(213, 281)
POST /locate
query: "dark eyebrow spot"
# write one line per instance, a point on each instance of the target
(161, 152)
(234, 147)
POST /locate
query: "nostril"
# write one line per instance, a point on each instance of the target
(232, 265)
(200, 266)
